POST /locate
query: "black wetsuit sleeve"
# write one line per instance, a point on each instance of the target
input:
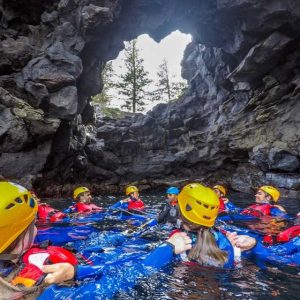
(163, 213)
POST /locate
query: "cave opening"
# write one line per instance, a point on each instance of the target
(159, 74)
(242, 68)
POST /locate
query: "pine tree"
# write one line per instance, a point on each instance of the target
(167, 89)
(107, 74)
(133, 83)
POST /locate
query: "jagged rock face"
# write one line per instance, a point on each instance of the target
(238, 123)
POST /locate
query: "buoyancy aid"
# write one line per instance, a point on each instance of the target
(46, 212)
(258, 210)
(283, 237)
(87, 207)
(136, 204)
(222, 206)
(31, 274)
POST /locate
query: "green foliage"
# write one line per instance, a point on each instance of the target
(167, 90)
(107, 74)
(112, 112)
(132, 85)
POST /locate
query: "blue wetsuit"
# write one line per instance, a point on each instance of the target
(283, 254)
(127, 272)
(119, 276)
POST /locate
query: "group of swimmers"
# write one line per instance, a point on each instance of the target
(192, 211)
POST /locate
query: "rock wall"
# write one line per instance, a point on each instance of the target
(238, 123)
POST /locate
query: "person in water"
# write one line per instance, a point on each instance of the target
(266, 199)
(169, 212)
(24, 266)
(221, 192)
(83, 198)
(18, 210)
(199, 207)
(133, 200)
(46, 212)
(225, 205)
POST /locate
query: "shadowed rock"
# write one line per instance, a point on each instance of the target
(238, 122)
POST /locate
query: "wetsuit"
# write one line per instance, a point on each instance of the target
(126, 272)
(284, 254)
(169, 214)
(63, 235)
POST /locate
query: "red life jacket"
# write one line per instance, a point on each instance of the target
(283, 236)
(222, 206)
(33, 260)
(258, 210)
(46, 212)
(136, 204)
(87, 207)
(288, 234)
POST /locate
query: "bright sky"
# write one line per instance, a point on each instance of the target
(171, 48)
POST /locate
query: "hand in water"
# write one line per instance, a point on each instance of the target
(181, 242)
(58, 273)
(226, 200)
(244, 242)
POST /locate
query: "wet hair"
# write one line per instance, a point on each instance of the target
(205, 251)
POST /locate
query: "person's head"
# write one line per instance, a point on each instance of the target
(267, 194)
(220, 190)
(172, 193)
(82, 194)
(199, 206)
(132, 191)
(18, 211)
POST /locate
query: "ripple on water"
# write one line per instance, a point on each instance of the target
(180, 281)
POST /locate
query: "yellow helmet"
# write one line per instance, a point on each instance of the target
(79, 190)
(199, 204)
(17, 211)
(131, 189)
(220, 188)
(272, 191)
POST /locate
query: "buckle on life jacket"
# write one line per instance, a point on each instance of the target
(29, 276)
(21, 281)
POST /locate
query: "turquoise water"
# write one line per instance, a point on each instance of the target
(195, 282)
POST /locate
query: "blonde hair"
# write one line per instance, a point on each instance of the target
(205, 251)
